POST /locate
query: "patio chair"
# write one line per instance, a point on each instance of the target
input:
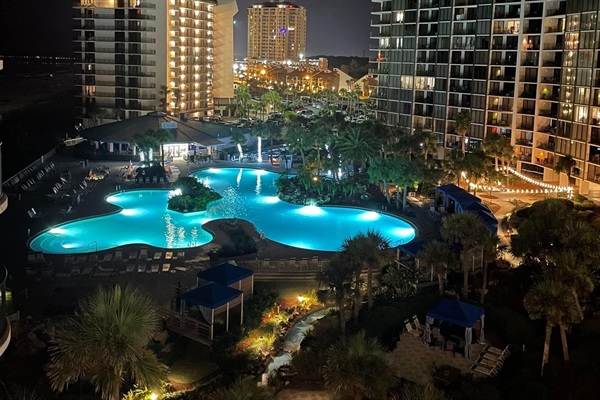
(87, 270)
(130, 268)
(69, 259)
(107, 258)
(169, 255)
(154, 268)
(314, 262)
(494, 357)
(266, 263)
(484, 370)
(486, 363)
(166, 267)
(158, 255)
(141, 268)
(410, 329)
(281, 264)
(304, 263)
(119, 255)
(93, 259)
(418, 324)
(497, 351)
(143, 254)
(293, 262)
(181, 256)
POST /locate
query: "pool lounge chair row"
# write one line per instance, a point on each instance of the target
(118, 256)
(490, 361)
(291, 264)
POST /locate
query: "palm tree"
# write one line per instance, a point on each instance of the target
(575, 273)
(428, 142)
(272, 132)
(405, 174)
(379, 172)
(360, 364)
(358, 145)
(152, 139)
(370, 250)
(319, 135)
(272, 99)
(467, 230)
(238, 138)
(242, 98)
(336, 276)
(462, 124)
(566, 164)
(551, 300)
(241, 389)
(491, 248)
(295, 137)
(438, 255)
(107, 342)
(455, 164)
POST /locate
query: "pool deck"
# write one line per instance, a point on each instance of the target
(14, 251)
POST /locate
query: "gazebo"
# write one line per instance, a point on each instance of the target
(228, 274)
(458, 313)
(213, 299)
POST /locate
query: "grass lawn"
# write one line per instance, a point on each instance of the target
(192, 366)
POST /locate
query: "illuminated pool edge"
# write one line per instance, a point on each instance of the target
(369, 215)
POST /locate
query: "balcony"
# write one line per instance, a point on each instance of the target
(503, 93)
(506, 31)
(525, 127)
(424, 99)
(504, 47)
(527, 95)
(524, 142)
(549, 97)
(545, 146)
(549, 129)
(548, 114)
(552, 80)
(527, 111)
(502, 78)
(499, 122)
(556, 11)
(461, 88)
(504, 61)
(506, 108)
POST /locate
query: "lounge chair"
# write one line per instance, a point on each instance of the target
(486, 363)
(143, 254)
(69, 259)
(107, 258)
(266, 263)
(154, 268)
(119, 255)
(132, 255)
(166, 267)
(281, 264)
(141, 268)
(497, 351)
(93, 258)
(130, 268)
(293, 262)
(314, 262)
(158, 255)
(82, 259)
(304, 263)
(169, 255)
(87, 270)
(484, 370)
(31, 259)
(181, 256)
(493, 357)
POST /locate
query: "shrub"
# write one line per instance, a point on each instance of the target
(194, 196)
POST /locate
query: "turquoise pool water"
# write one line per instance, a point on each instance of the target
(247, 194)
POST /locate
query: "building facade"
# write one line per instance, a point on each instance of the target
(138, 56)
(528, 70)
(276, 31)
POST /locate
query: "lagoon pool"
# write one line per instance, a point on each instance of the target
(248, 194)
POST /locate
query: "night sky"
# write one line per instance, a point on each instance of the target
(32, 27)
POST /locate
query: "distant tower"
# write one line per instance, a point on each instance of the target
(276, 31)
(136, 56)
(223, 49)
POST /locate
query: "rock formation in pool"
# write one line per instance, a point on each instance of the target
(189, 195)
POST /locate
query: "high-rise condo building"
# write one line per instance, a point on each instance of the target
(138, 56)
(528, 70)
(276, 31)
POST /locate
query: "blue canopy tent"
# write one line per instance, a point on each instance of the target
(226, 274)
(211, 297)
(458, 313)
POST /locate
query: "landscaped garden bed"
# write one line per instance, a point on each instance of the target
(189, 195)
